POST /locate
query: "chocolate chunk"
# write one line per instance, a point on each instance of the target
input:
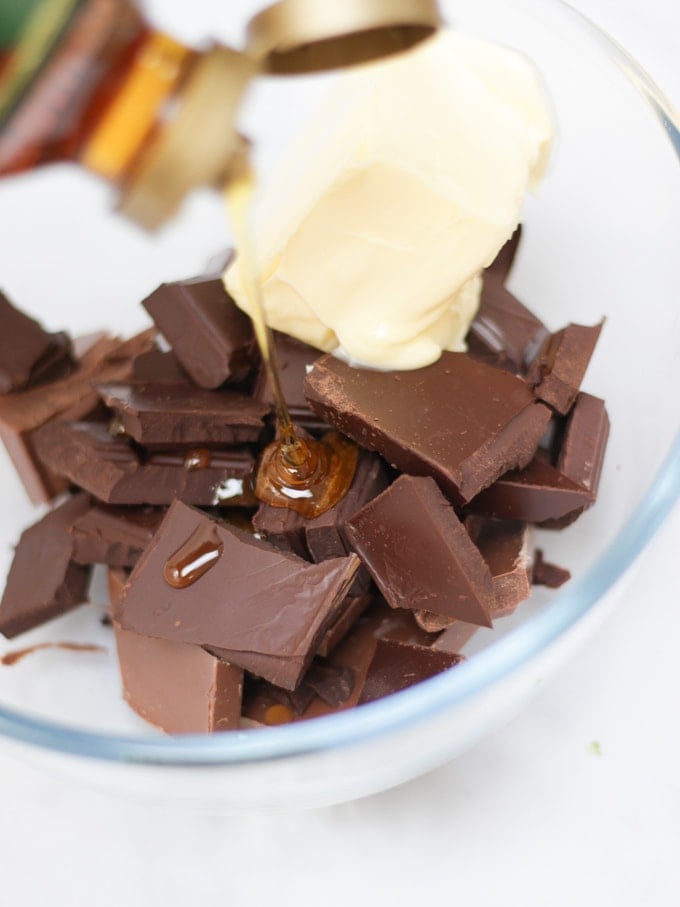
(499, 270)
(179, 688)
(580, 454)
(116, 536)
(558, 369)
(22, 345)
(43, 582)
(419, 554)
(460, 421)
(117, 578)
(353, 607)
(325, 534)
(283, 528)
(57, 362)
(332, 683)
(103, 359)
(211, 337)
(158, 367)
(268, 616)
(505, 545)
(397, 666)
(550, 575)
(294, 360)
(172, 415)
(504, 332)
(536, 493)
(115, 472)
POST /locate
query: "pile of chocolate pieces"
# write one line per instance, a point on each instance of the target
(230, 613)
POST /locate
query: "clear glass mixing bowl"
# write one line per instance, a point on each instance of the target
(605, 220)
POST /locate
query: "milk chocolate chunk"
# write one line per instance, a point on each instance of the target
(158, 367)
(558, 369)
(116, 472)
(581, 451)
(505, 545)
(534, 494)
(22, 345)
(172, 415)
(73, 397)
(43, 582)
(283, 528)
(116, 536)
(294, 359)
(419, 554)
(260, 608)
(459, 420)
(353, 607)
(211, 337)
(397, 666)
(546, 574)
(179, 688)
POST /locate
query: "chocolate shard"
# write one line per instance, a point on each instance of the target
(158, 367)
(294, 359)
(560, 365)
(56, 362)
(499, 270)
(352, 609)
(419, 554)
(534, 494)
(179, 688)
(460, 421)
(354, 653)
(581, 451)
(211, 337)
(116, 536)
(546, 574)
(506, 547)
(283, 528)
(102, 358)
(23, 343)
(268, 617)
(397, 666)
(43, 582)
(115, 472)
(332, 683)
(175, 415)
(504, 332)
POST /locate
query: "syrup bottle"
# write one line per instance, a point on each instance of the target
(90, 81)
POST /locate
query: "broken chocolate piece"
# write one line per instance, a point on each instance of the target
(23, 343)
(550, 575)
(283, 528)
(211, 337)
(116, 536)
(117, 578)
(397, 666)
(500, 268)
(353, 607)
(43, 582)
(171, 415)
(536, 493)
(504, 332)
(558, 369)
(179, 688)
(584, 442)
(269, 616)
(294, 359)
(460, 421)
(419, 554)
(505, 545)
(103, 359)
(158, 367)
(117, 473)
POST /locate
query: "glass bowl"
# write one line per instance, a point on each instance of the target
(600, 239)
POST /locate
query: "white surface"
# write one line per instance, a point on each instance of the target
(530, 817)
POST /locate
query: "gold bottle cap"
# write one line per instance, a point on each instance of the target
(300, 36)
(196, 145)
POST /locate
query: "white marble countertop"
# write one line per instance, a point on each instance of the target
(577, 801)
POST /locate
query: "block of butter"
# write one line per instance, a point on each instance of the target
(407, 183)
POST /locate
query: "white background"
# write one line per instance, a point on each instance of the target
(532, 816)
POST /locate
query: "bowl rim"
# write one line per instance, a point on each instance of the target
(417, 704)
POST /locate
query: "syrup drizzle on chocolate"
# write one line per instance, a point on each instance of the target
(14, 657)
(301, 474)
(200, 458)
(197, 555)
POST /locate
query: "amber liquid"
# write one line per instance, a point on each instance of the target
(301, 474)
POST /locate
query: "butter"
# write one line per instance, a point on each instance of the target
(410, 179)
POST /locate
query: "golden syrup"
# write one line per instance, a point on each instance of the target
(197, 555)
(301, 474)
